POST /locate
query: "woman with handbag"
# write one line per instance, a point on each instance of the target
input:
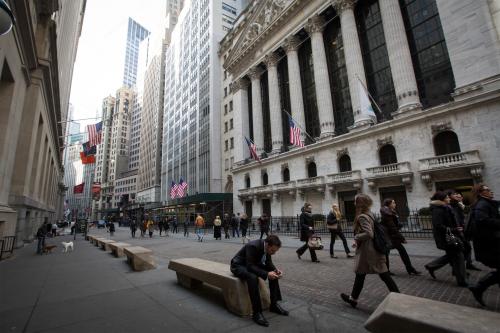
(217, 228)
(333, 225)
(368, 259)
(306, 231)
(390, 221)
(447, 238)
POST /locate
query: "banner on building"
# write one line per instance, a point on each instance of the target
(96, 190)
(78, 188)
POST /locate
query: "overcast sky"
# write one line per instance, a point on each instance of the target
(98, 69)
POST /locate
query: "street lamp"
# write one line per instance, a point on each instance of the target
(6, 18)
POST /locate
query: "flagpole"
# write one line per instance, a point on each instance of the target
(369, 95)
(303, 130)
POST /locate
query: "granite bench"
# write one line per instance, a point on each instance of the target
(410, 314)
(96, 241)
(193, 272)
(139, 258)
(104, 244)
(117, 248)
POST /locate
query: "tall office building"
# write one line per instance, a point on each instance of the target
(135, 34)
(191, 124)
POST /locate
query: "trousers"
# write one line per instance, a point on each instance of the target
(359, 282)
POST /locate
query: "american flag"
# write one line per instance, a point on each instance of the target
(181, 188)
(294, 133)
(173, 190)
(95, 131)
(253, 149)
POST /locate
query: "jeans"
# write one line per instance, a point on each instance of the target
(236, 231)
(359, 281)
(334, 233)
(40, 245)
(243, 232)
(199, 232)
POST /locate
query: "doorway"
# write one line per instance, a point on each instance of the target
(266, 207)
(248, 208)
(398, 193)
(346, 204)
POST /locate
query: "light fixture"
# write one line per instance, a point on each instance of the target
(6, 18)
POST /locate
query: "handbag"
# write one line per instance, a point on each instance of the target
(453, 241)
(332, 226)
(315, 243)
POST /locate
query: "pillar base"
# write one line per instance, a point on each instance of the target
(360, 125)
(405, 110)
(325, 136)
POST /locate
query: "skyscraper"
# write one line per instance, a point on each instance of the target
(136, 33)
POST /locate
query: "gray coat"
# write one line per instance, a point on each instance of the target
(368, 260)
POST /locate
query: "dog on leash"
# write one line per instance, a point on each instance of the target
(67, 246)
(48, 248)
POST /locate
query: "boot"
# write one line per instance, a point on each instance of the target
(483, 284)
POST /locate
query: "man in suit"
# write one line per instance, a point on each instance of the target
(254, 261)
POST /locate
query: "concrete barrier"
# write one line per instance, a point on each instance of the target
(117, 248)
(139, 258)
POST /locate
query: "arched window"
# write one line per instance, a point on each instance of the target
(345, 163)
(286, 175)
(387, 155)
(247, 181)
(265, 179)
(311, 170)
(446, 143)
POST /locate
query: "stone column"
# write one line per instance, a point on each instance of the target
(291, 47)
(258, 121)
(315, 27)
(241, 119)
(353, 57)
(275, 111)
(403, 75)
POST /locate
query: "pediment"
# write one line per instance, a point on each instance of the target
(261, 18)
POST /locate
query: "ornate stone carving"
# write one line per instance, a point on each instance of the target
(238, 84)
(445, 126)
(315, 24)
(341, 152)
(292, 43)
(341, 5)
(255, 73)
(385, 141)
(309, 159)
(271, 59)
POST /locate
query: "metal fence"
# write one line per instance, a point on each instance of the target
(7, 245)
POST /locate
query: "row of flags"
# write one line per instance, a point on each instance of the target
(178, 190)
(90, 147)
(96, 188)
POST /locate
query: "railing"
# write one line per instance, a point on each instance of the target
(450, 160)
(7, 245)
(263, 189)
(314, 181)
(246, 191)
(286, 186)
(389, 169)
(343, 177)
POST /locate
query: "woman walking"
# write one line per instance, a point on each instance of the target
(244, 227)
(390, 221)
(225, 225)
(133, 228)
(485, 222)
(151, 227)
(368, 260)
(333, 225)
(217, 227)
(306, 231)
(263, 222)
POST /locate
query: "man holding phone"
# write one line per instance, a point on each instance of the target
(254, 261)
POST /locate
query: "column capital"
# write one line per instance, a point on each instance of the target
(341, 5)
(238, 84)
(254, 73)
(315, 24)
(271, 60)
(292, 43)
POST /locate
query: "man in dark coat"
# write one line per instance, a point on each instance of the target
(306, 231)
(254, 261)
(486, 238)
(264, 225)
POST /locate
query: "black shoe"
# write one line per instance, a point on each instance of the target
(478, 294)
(348, 299)
(471, 267)
(415, 272)
(391, 273)
(259, 319)
(276, 308)
(298, 255)
(316, 260)
(431, 272)
(463, 284)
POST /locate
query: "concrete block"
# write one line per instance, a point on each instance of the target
(139, 258)
(117, 248)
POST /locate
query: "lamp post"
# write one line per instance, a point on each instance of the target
(6, 18)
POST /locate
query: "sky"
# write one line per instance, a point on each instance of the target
(98, 70)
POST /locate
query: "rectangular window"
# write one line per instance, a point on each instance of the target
(225, 91)
(230, 106)
(225, 109)
(232, 143)
(225, 127)
(231, 124)
(226, 145)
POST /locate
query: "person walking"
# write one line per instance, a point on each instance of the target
(368, 260)
(253, 261)
(390, 221)
(111, 228)
(333, 225)
(306, 231)
(199, 227)
(166, 225)
(186, 227)
(143, 227)
(174, 225)
(244, 227)
(133, 228)
(263, 222)
(54, 229)
(217, 228)
(485, 225)
(161, 225)
(443, 224)
(151, 227)
(225, 225)
(234, 226)
(40, 236)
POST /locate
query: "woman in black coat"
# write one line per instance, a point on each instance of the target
(306, 231)
(485, 225)
(442, 221)
(390, 221)
(263, 222)
(333, 225)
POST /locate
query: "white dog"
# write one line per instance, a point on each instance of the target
(67, 245)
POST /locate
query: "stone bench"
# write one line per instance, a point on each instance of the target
(410, 314)
(193, 272)
(139, 258)
(97, 240)
(117, 248)
(104, 244)
(90, 238)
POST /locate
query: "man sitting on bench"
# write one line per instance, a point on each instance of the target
(254, 261)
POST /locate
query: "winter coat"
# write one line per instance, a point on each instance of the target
(486, 236)
(368, 260)
(264, 223)
(390, 221)
(458, 213)
(306, 221)
(331, 220)
(243, 223)
(442, 218)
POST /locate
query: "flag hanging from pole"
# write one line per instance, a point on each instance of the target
(87, 159)
(294, 133)
(78, 188)
(181, 188)
(253, 149)
(365, 107)
(95, 131)
(173, 190)
(88, 149)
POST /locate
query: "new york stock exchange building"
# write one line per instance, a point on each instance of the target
(432, 68)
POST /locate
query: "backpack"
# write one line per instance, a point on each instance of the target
(381, 242)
